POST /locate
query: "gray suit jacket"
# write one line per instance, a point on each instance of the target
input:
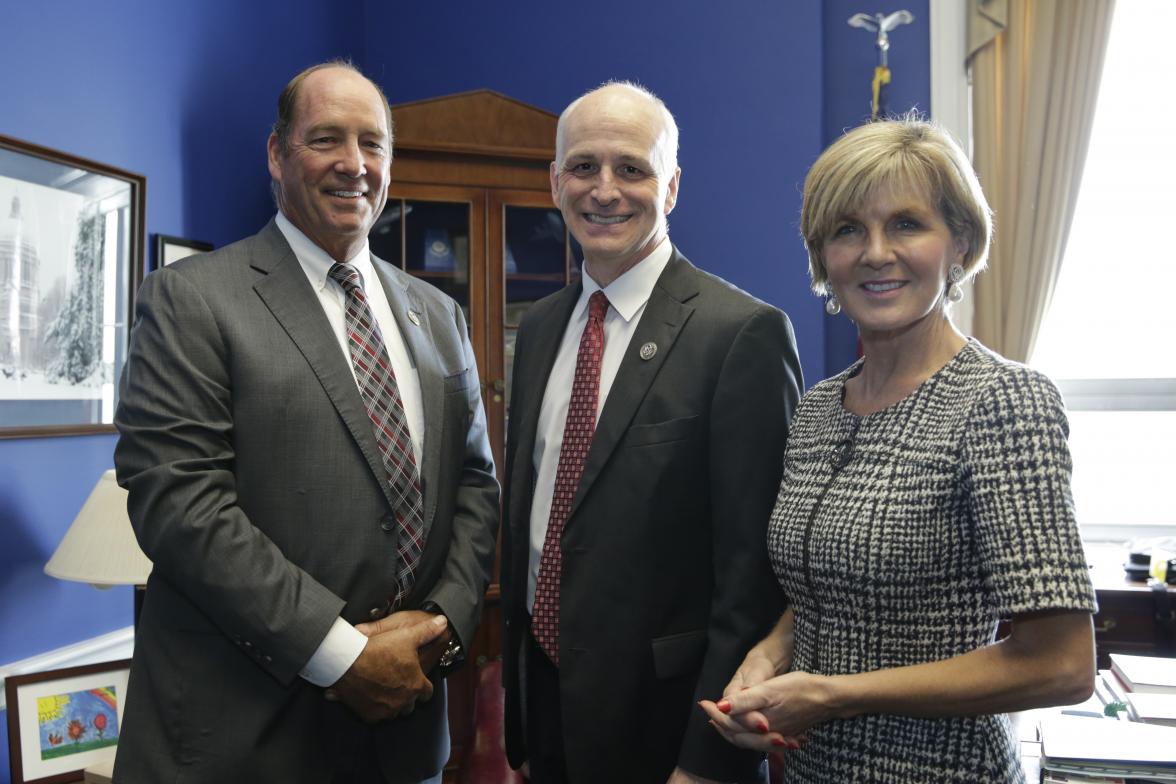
(666, 582)
(256, 489)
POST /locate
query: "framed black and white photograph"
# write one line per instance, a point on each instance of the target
(71, 258)
(169, 250)
(62, 721)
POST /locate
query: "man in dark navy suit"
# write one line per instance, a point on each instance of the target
(648, 417)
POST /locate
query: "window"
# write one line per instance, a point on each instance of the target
(1109, 338)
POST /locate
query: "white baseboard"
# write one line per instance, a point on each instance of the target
(119, 644)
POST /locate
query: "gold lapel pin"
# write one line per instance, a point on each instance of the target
(648, 350)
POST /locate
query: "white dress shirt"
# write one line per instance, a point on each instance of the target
(343, 643)
(627, 298)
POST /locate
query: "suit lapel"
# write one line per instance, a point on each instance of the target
(289, 296)
(543, 343)
(661, 323)
(417, 339)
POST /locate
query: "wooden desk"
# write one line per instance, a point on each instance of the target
(1132, 618)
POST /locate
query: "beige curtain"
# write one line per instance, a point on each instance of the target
(1034, 87)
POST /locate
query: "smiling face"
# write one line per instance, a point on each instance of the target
(612, 179)
(332, 179)
(887, 261)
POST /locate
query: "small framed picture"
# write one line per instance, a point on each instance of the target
(63, 721)
(169, 250)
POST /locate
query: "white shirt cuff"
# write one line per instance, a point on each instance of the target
(335, 654)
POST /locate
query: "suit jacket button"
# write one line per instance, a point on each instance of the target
(387, 524)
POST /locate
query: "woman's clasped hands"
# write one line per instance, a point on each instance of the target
(767, 712)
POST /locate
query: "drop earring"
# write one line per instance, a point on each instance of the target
(956, 274)
(832, 306)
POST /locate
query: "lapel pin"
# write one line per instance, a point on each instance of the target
(414, 317)
(648, 350)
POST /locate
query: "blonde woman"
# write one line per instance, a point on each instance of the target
(926, 495)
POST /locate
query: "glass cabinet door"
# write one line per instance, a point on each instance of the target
(437, 234)
(496, 252)
(532, 259)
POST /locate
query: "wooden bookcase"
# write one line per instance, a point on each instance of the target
(469, 210)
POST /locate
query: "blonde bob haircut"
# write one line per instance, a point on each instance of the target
(904, 153)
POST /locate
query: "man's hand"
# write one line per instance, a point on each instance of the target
(386, 681)
(428, 654)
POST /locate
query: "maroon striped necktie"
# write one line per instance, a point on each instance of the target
(381, 398)
(577, 439)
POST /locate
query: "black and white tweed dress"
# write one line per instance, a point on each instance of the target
(903, 536)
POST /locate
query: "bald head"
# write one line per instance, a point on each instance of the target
(631, 101)
(615, 176)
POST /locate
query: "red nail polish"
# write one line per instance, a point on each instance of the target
(723, 706)
(779, 742)
(793, 745)
(762, 726)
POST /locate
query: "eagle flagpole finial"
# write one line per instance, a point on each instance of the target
(881, 24)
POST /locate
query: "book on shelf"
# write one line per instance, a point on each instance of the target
(1152, 674)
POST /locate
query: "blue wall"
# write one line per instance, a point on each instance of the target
(758, 87)
(848, 64)
(183, 92)
(743, 80)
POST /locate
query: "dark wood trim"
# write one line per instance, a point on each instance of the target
(486, 150)
(54, 431)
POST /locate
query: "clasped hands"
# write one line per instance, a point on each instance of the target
(390, 676)
(767, 712)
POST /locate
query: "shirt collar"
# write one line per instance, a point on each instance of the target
(628, 293)
(316, 262)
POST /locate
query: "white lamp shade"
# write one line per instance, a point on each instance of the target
(100, 547)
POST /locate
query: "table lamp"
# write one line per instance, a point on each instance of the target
(100, 547)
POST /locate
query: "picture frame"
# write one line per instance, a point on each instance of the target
(169, 250)
(54, 725)
(71, 258)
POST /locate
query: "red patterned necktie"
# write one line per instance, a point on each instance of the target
(577, 438)
(381, 398)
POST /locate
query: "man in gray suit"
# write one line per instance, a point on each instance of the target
(306, 453)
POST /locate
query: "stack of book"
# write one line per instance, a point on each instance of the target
(1138, 691)
(1150, 674)
(1146, 685)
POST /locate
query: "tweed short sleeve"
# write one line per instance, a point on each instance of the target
(1016, 475)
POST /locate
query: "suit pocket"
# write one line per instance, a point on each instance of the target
(678, 654)
(457, 382)
(661, 432)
